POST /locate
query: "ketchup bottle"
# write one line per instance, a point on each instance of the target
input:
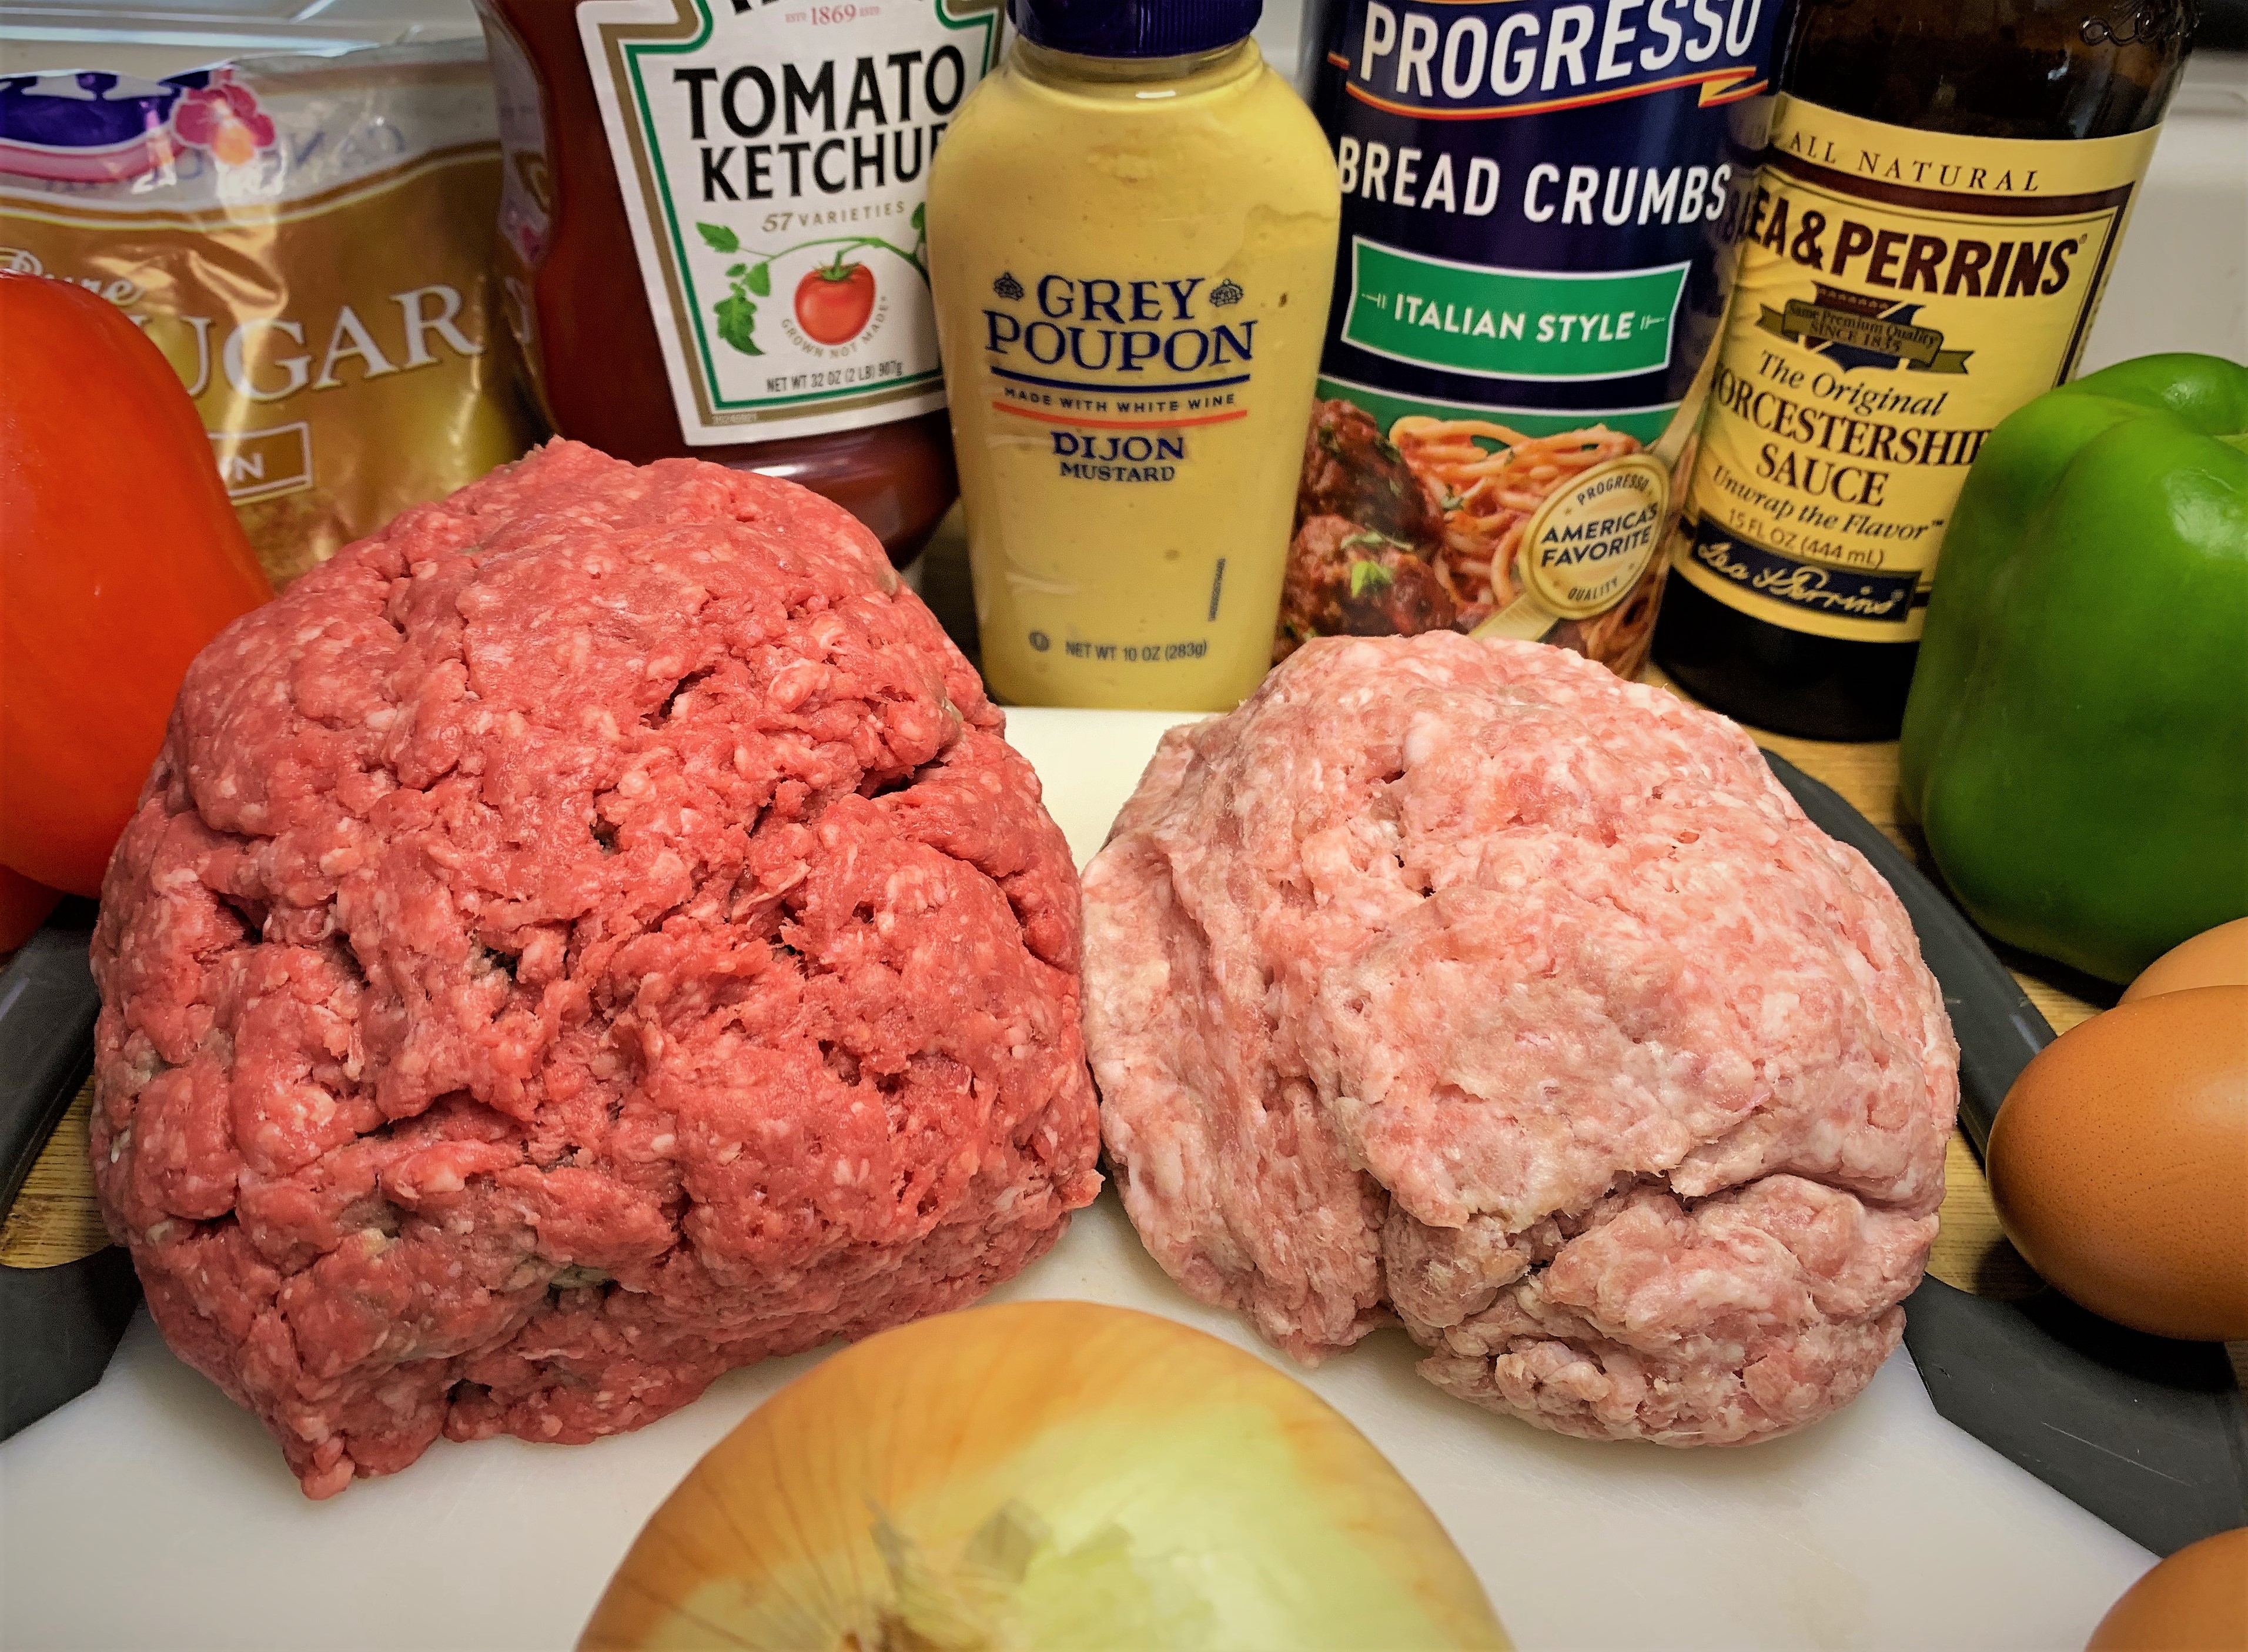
(711, 234)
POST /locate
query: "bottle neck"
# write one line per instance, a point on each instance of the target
(2059, 70)
(1131, 76)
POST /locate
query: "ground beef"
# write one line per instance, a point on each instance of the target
(590, 935)
(1459, 980)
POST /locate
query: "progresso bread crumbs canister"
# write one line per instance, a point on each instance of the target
(1539, 203)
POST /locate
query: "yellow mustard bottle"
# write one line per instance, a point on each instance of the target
(1132, 238)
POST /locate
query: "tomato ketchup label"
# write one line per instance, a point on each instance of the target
(773, 157)
(1540, 201)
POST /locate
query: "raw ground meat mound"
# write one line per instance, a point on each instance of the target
(1461, 980)
(588, 937)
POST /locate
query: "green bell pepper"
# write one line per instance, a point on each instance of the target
(2075, 743)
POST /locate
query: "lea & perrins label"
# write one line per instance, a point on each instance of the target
(1898, 293)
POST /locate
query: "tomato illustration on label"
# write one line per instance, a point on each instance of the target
(834, 302)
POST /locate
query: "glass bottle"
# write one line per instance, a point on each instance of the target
(1942, 198)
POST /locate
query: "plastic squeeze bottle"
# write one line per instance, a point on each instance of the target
(1132, 237)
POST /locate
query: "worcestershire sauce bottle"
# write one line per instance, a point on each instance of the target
(1940, 205)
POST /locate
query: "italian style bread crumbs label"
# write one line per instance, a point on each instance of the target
(1899, 293)
(1539, 200)
(774, 161)
(306, 239)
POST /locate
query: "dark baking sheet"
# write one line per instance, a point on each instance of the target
(59, 1326)
(47, 1008)
(2149, 1434)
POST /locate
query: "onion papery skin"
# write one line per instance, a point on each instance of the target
(1057, 1475)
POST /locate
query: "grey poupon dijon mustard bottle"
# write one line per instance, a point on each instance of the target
(1941, 201)
(1132, 235)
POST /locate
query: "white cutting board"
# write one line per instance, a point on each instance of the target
(152, 1513)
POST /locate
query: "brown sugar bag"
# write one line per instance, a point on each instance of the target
(308, 239)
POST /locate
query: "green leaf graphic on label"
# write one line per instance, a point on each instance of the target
(760, 279)
(916, 219)
(737, 320)
(1510, 324)
(719, 238)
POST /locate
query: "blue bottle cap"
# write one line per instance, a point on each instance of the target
(1134, 28)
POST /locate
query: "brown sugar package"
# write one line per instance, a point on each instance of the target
(306, 238)
(1539, 204)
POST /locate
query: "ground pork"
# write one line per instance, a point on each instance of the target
(588, 937)
(1460, 980)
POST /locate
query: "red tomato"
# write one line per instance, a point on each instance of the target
(24, 908)
(119, 557)
(834, 302)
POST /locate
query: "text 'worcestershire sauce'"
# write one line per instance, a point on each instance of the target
(1939, 208)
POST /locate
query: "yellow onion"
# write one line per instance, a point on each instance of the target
(1055, 1475)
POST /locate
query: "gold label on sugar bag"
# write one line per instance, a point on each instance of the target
(308, 240)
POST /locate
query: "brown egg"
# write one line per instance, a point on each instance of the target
(2119, 1163)
(2195, 1602)
(2215, 957)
